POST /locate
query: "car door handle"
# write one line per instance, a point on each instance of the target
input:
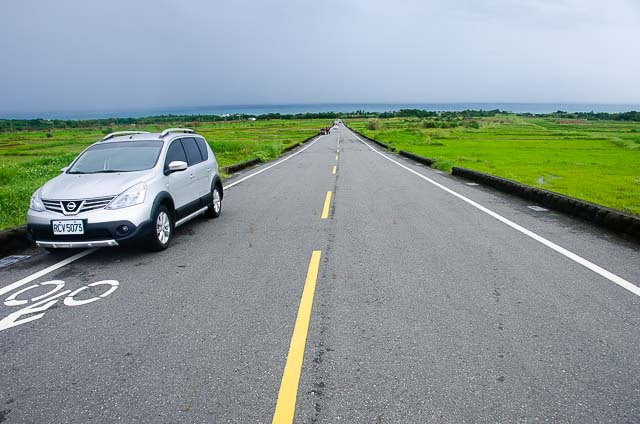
(191, 176)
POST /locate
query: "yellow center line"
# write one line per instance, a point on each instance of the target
(286, 404)
(327, 203)
(336, 157)
(333, 171)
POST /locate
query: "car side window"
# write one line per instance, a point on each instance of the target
(192, 150)
(202, 145)
(175, 152)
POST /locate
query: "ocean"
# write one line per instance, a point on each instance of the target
(328, 107)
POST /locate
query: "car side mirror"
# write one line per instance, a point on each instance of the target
(63, 170)
(177, 165)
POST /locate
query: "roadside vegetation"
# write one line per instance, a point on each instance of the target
(29, 157)
(592, 156)
(593, 159)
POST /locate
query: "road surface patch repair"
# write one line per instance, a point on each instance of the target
(10, 260)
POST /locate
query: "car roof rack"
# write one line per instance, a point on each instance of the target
(118, 133)
(176, 130)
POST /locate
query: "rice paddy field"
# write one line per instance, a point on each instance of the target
(597, 161)
(30, 158)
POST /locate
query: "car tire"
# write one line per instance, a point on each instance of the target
(215, 205)
(162, 231)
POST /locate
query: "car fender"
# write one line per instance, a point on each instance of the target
(160, 197)
(217, 180)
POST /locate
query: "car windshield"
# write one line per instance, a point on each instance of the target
(122, 156)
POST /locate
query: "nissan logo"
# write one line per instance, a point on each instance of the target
(71, 206)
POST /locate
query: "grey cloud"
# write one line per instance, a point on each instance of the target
(72, 55)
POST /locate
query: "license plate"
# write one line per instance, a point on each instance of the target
(72, 226)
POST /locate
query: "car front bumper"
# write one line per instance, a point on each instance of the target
(102, 228)
(76, 244)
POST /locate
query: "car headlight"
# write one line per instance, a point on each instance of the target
(36, 203)
(130, 197)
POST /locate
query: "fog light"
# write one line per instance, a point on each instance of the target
(123, 229)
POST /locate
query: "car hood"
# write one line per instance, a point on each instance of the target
(87, 186)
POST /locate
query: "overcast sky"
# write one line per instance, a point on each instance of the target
(126, 54)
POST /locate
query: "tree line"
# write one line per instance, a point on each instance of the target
(8, 125)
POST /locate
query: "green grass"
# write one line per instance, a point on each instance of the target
(29, 158)
(598, 161)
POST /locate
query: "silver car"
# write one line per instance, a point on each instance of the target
(129, 186)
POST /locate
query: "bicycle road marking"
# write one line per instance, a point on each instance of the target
(37, 306)
(12, 301)
(48, 270)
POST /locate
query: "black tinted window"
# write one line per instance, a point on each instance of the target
(203, 148)
(175, 152)
(193, 152)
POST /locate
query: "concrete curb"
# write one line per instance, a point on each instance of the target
(13, 239)
(420, 159)
(232, 169)
(290, 148)
(293, 146)
(417, 158)
(306, 140)
(374, 141)
(596, 214)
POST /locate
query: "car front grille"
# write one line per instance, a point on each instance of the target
(74, 207)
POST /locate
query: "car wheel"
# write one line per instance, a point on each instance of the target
(163, 227)
(215, 206)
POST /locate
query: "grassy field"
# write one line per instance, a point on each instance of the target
(29, 158)
(598, 161)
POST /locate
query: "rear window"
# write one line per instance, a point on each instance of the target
(192, 150)
(202, 145)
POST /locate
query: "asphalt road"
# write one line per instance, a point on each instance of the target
(421, 306)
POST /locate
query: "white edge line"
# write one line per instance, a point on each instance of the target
(574, 257)
(270, 166)
(46, 271)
